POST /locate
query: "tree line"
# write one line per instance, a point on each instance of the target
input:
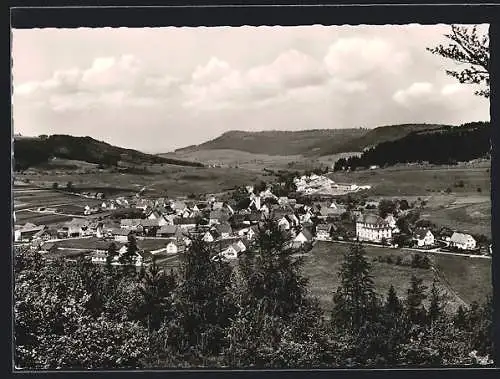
(256, 313)
(444, 146)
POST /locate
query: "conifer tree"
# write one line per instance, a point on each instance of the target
(414, 301)
(392, 304)
(355, 299)
(111, 253)
(128, 257)
(436, 306)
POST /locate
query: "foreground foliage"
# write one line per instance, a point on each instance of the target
(258, 313)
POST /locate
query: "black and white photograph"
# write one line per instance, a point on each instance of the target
(252, 197)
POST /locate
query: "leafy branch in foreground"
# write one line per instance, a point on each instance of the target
(471, 48)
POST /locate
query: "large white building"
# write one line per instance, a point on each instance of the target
(373, 228)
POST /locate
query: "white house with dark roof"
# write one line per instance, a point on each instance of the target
(373, 228)
(424, 237)
(303, 237)
(323, 232)
(463, 241)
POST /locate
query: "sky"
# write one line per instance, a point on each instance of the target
(158, 89)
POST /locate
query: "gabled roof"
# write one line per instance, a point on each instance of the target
(420, 233)
(306, 234)
(223, 228)
(149, 223)
(122, 232)
(168, 229)
(461, 237)
(219, 214)
(185, 221)
(373, 219)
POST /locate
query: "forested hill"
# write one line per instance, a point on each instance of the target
(29, 152)
(279, 142)
(316, 142)
(382, 134)
(446, 145)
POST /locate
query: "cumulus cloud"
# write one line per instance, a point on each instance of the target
(415, 92)
(109, 81)
(286, 77)
(351, 58)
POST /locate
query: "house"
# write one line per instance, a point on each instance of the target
(232, 251)
(78, 227)
(142, 204)
(172, 247)
(217, 205)
(424, 237)
(169, 231)
(462, 241)
(283, 223)
(154, 215)
(218, 216)
(209, 236)
(255, 203)
(122, 235)
(323, 232)
(303, 237)
(249, 233)
(224, 230)
(373, 228)
(98, 257)
(48, 247)
(150, 227)
(186, 223)
(130, 223)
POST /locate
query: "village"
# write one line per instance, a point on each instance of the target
(318, 210)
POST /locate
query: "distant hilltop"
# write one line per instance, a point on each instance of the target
(35, 151)
(316, 142)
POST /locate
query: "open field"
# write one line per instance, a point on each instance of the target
(257, 162)
(472, 218)
(22, 217)
(470, 278)
(324, 261)
(419, 181)
(178, 181)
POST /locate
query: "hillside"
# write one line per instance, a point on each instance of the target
(281, 143)
(316, 142)
(29, 152)
(445, 145)
(377, 136)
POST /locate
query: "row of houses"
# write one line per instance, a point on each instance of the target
(373, 228)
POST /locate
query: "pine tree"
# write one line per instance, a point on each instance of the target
(414, 301)
(436, 306)
(355, 299)
(128, 257)
(459, 320)
(274, 276)
(111, 253)
(392, 304)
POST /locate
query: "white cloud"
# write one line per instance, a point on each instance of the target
(109, 81)
(351, 58)
(416, 92)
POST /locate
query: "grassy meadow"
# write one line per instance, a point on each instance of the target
(469, 279)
